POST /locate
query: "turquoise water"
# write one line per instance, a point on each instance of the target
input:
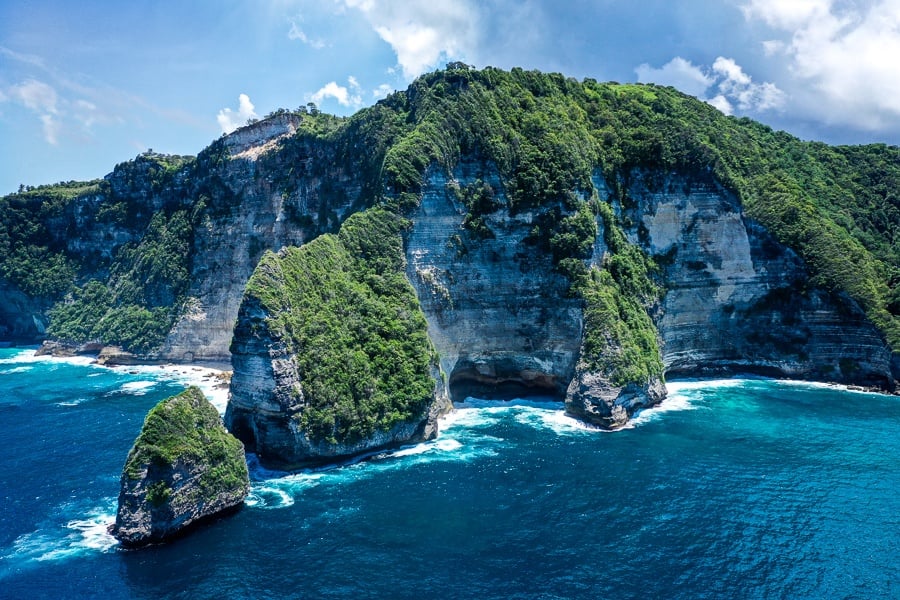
(733, 489)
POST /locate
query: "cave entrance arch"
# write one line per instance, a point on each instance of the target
(504, 379)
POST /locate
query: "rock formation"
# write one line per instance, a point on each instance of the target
(330, 353)
(716, 246)
(184, 468)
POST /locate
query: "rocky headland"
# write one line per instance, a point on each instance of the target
(542, 236)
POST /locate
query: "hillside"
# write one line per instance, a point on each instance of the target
(662, 236)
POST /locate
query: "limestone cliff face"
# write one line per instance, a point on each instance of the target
(184, 468)
(259, 188)
(498, 314)
(738, 301)
(260, 198)
(22, 318)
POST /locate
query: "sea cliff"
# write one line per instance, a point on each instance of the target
(579, 240)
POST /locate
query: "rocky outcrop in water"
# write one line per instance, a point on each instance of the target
(184, 468)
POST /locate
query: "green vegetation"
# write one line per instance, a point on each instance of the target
(30, 256)
(187, 429)
(620, 339)
(139, 303)
(345, 309)
(548, 135)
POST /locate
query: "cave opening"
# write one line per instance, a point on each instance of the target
(500, 384)
(242, 428)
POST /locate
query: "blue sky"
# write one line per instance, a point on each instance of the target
(85, 85)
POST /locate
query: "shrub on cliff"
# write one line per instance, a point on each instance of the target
(345, 310)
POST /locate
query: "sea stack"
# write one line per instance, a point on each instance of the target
(184, 468)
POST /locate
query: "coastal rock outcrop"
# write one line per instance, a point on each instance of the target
(738, 301)
(331, 357)
(593, 398)
(184, 468)
(577, 240)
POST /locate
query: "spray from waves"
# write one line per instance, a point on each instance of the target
(542, 414)
(209, 380)
(463, 437)
(271, 489)
(14, 370)
(83, 535)
(135, 388)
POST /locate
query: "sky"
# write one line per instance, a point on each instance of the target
(85, 85)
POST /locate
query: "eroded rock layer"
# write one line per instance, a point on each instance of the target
(738, 301)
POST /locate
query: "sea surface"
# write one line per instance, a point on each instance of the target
(740, 488)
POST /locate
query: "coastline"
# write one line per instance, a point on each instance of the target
(211, 378)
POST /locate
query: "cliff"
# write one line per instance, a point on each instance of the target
(331, 357)
(183, 468)
(578, 240)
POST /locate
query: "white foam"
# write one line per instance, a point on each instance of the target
(85, 535)
(28, 356)
(828, 386)
(137, 388)
(74, 402)
(413, 450)
(208, 379)
(94, 532)
(269, 497)
(447, 445)
(561, 423)
(14, 370)
(681, 385)
(676, 401)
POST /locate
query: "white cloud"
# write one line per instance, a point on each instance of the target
(422, 34)
(842, 55)
(382, 91)
(773, 47)
(230, 120)
(679, 73)
(52, 128)
(724, 85)
(43, 100)
(722, 103)
(342, 94)
(738, 86)
(295, 33)
(35, 95)
(786, 14)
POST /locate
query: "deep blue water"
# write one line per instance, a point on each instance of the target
(733, 489)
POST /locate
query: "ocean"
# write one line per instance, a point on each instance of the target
(742, 488)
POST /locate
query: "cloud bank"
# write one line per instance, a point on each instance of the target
(842, 56)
